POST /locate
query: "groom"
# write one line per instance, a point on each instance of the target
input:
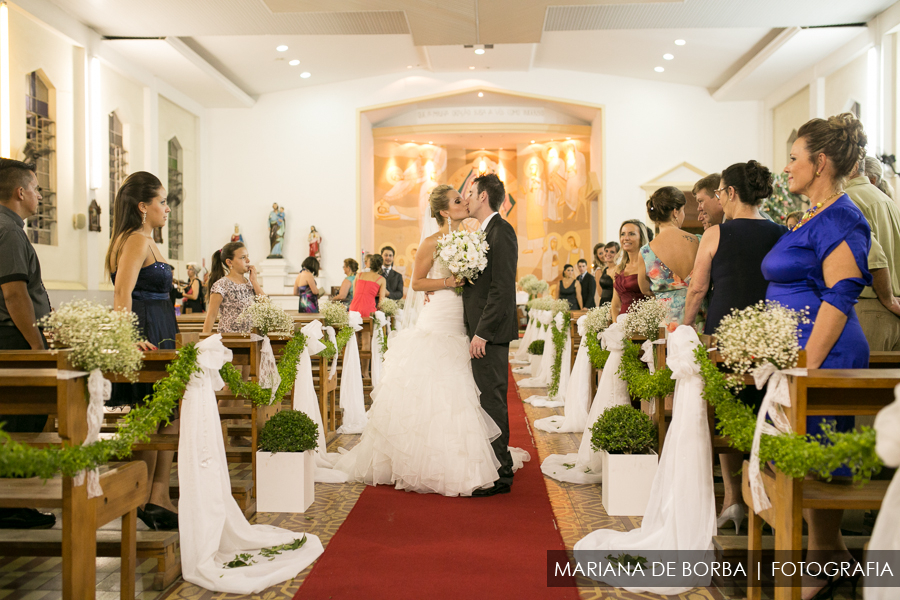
(489, 305)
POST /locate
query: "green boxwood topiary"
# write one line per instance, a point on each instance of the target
(289, 431)
(623, 430)
(536, 347)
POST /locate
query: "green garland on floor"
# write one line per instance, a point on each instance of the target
(342, 337)
(258, 395)
(20, 460)
(641, 384)
(597, 355)
(796, 455)
(559, 344)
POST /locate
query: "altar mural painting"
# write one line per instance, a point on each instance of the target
(547, 187)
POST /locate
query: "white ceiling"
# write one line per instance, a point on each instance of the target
(339, 40)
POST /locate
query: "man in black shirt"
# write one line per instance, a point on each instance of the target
(23, 300)
(393, 279)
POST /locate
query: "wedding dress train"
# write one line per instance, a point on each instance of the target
(426, 429)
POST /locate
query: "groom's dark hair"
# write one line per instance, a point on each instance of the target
(491, 184)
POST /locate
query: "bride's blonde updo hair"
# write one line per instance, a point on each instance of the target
(439, 201)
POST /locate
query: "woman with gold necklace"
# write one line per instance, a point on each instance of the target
(821, 265)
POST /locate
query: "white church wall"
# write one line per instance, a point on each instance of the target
(299, 147)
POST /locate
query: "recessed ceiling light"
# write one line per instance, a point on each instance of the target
(409, 66)
(282, 48)
(294, 62)
(658, 69)
(481, 94)
(668, 56)
(479, 50)
(532, 141)
(680, 42)
(472, 68)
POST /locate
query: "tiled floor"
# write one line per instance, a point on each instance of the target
(577, 509)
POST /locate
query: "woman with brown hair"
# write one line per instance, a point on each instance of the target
(822, 266)
(345, 294)
(369, 286)
(142, 280)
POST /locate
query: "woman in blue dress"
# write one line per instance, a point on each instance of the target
(821, 266)
(142, 280)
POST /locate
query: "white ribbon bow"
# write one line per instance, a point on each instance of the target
(380, 319)
(777, 397)
(612, 338)
(647, 356)
(356, 320)
(582, 327)
(99, 390)
(314, 334)
(545, 318)
(558, 319)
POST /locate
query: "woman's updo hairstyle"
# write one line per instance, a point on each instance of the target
(751, 180)
(375, 262)
(439, 201)
(841, 138)
(663, 202)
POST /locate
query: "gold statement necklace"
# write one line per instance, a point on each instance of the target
(812, 210)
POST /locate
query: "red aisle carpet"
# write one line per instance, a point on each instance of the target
(397, 545)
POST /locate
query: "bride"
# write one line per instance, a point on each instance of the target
(426, 430)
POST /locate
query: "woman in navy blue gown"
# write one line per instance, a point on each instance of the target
(142, 282)
(821, 266)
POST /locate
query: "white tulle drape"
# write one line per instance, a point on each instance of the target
(521, 355)
(886, 535)
(585, 466)
(306, 400)
(681, 512)
(212, 528)
(542, 320)
(351, 397)
(414, 301)
(540, 372)
(577, 395)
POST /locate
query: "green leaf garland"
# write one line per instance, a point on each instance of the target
(641, 383)
(559, 344)
(342, 337)
(597, 355)
(287, 369)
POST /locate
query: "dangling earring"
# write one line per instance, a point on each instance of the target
(143, 218)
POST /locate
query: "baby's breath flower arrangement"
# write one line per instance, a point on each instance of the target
(99, 337)
(558, 306)
(540, 304)
(534, 286)
(644, 317)
(597, 319)
(763, 332)
(334, 314)
(388, 307)
(268, 318)
(527, 281)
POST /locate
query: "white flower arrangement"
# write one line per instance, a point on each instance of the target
(534, 286)
(268, 318)
(644, 318)
(100, 338)
(388, 307)
(597, 319)
(761, 333)
(334, 314)
(559, 306)
(464, 253)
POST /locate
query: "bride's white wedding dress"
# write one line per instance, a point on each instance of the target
(427, 431)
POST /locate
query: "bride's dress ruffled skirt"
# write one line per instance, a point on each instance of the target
(427, 431)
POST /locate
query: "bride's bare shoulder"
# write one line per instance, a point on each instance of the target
(430, 243)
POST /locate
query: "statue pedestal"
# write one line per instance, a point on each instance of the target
(273, 276)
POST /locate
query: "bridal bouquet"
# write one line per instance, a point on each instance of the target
(100, 338)
(464, 253)
(761, 333)
(268, 318)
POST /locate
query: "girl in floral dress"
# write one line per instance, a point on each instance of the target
(231, 293)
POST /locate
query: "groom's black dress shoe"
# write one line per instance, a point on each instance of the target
(498, 488)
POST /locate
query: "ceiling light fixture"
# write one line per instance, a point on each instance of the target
(481, 94)
(281, 48)
(532, 141)
(305, 74)
(658, 69)
(294, 62)
(680, 42)
(409, 66)
(472, 68)
(479, 51)
(668, 56)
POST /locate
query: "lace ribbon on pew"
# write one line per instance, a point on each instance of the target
(777, 397)
(351, 393)
(99, 390)
(268, 368)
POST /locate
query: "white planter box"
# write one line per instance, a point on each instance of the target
(286, 481)
(627, 479)
(535, 360)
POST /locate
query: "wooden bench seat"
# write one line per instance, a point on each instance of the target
(160, 545)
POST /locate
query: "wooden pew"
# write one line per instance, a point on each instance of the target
(40, 391)
(820, 392)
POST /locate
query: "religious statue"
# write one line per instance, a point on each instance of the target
(276, 231)
(94, 216)
(314, 240)
(237, 237)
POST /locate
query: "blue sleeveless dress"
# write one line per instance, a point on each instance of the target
(793, 269)
(156, 322)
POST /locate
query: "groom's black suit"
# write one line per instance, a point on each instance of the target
(489, 306)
